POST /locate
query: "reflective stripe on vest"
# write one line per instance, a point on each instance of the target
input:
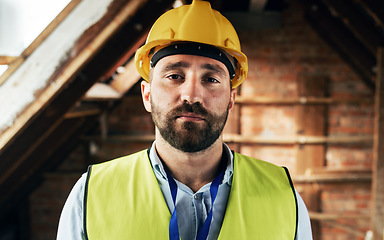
(124, 201)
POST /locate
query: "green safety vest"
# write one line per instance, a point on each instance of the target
(124, 201)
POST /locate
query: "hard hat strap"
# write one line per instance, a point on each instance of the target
(193, 48)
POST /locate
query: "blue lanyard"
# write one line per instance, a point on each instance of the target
(203, 233)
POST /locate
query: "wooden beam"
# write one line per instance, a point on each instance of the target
(311, 120)
(331, 217)
(333, 178)
(303, 100)
(123, 138)
(47, 155)
(343, 169)
(126, 78)
(128, 57)
(375, 8)
(98, 50)
(97, 62)
(302, 140)
(6, 60)
(359, 24)
(342, 40)
(11, 181)
(241, 139)
(377, 220)
(102, 92)
(83, 110)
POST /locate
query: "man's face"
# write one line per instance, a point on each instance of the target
(189, 98)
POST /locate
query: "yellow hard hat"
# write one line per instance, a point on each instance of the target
(196, 23)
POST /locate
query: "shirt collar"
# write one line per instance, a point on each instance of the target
(159, 168)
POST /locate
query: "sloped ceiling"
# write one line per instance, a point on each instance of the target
(51, 123)
(39, 141)
(354, 29)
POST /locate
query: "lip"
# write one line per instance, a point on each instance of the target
(190, 117)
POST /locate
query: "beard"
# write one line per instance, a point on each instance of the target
(189, 136)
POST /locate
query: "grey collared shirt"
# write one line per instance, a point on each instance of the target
(192, 207)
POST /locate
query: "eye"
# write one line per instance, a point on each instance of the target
(211, 80)
(174, 77)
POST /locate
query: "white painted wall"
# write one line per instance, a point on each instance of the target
(21, 21)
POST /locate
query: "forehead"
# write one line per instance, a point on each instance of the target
(189, 61)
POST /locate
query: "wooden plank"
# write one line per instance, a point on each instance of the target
(375, 8)
(377, 220)
(53, 149)
(343, 169)
(342, 40)
(241, 139)
(5, 60)
(83, 110)
(302, 140)
(124, 138)
(53, 67)
(73, 66)
(311, 120)
(303, 100)
(329, 216)
(126, 78)
(102, 92)
(128, 57)
(333, 178)
(358, 23)
(93, 61)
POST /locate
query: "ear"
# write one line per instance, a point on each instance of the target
(146, 95)
(232, 99)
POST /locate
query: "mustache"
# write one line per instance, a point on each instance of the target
(195, 108)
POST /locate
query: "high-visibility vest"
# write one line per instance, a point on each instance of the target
(124, 201)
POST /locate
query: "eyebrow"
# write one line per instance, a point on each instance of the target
(181, 64)
(214, 67)
(176, 65)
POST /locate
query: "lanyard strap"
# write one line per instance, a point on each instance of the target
(173, 227)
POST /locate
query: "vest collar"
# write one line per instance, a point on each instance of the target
(159, 168)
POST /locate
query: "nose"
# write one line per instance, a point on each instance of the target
(191, 90)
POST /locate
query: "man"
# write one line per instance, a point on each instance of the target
(188, 185)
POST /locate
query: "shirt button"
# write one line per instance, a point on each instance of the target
(196, 197)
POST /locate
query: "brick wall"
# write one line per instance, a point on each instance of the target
(276, 58)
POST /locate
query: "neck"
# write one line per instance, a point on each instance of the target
(192, 169)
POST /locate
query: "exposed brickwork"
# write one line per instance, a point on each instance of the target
(352, 204)
(339, 156)
(48, 200)
(279, 155)
(268, 121)
(348, 120)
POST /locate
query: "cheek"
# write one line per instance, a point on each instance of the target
(164, 94)
(220, 101)
(161, 99)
